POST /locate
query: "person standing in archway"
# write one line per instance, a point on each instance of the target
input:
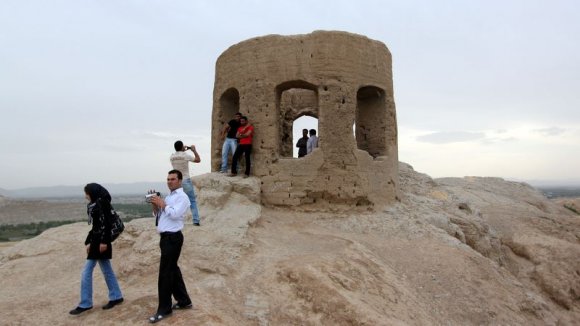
(230, 140)
(302, 142)
(312, 142)
(245, 135)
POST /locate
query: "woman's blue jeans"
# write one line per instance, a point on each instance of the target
(87, 282)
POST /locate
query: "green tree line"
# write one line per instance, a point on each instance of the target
(15, 232)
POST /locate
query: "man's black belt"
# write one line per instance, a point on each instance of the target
(167, 233)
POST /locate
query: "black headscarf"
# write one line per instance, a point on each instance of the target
(97, 194)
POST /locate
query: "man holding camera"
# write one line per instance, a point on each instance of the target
(180, 161)
(169, 215)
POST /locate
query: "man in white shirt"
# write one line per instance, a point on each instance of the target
(180, 161)
(312, 141)
(169, 216)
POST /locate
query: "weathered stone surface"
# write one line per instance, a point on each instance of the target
(342, 79)
(516, 263)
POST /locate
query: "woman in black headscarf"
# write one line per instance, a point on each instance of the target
(99, 249)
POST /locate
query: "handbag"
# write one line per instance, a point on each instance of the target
(117, 226)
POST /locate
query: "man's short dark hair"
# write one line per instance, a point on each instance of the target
(179, 175)
(312, 132)
(178, 145)
(240, 114)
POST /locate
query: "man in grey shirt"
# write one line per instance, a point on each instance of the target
(180, 161)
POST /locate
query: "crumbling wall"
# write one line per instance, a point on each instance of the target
(344, 80)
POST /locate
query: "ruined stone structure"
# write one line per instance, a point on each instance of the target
(345, 81)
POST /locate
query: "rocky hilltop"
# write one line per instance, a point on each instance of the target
(470, 251)
(572, 204)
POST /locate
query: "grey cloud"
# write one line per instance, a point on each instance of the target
(159, 135)
(489, 141)
(164, 135)
(446, 137)
(552, 131)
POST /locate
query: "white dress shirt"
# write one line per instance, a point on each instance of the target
(171, 217)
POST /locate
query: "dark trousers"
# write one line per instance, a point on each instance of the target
(170, 280)
(246, 150)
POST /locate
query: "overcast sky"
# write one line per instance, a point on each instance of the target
(99, 90)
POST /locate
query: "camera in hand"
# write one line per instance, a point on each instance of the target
(148, 197)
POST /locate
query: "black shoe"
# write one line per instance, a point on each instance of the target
(196, 224)
(112, 303)
(79, 310)
(178, 306)
(157, 317)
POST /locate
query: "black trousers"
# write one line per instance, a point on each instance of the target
(170, 279)
(246, 150)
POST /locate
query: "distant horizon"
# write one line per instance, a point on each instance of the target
(138, 187)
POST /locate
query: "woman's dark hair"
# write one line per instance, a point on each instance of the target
(96, 192)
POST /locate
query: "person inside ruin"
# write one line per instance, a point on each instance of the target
(312, 142)
(180, 161)
(169, 215)
(99, 249)
(245, 134)
(302, 142)
(230, 140)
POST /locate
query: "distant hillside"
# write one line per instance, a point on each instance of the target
(115, 189)
(558, 192)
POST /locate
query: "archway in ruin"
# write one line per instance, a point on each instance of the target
(229, 105)
(295, 99)
(303, 122)
(371, 121)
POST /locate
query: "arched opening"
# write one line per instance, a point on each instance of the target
(295, 99)
(229, 105)
(370, 125)
(303, 122)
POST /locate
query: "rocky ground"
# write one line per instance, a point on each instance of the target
(572, 204)
(470, 251)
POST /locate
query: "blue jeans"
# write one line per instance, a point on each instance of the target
(87, 282)
(188, 189)
(229, 146)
